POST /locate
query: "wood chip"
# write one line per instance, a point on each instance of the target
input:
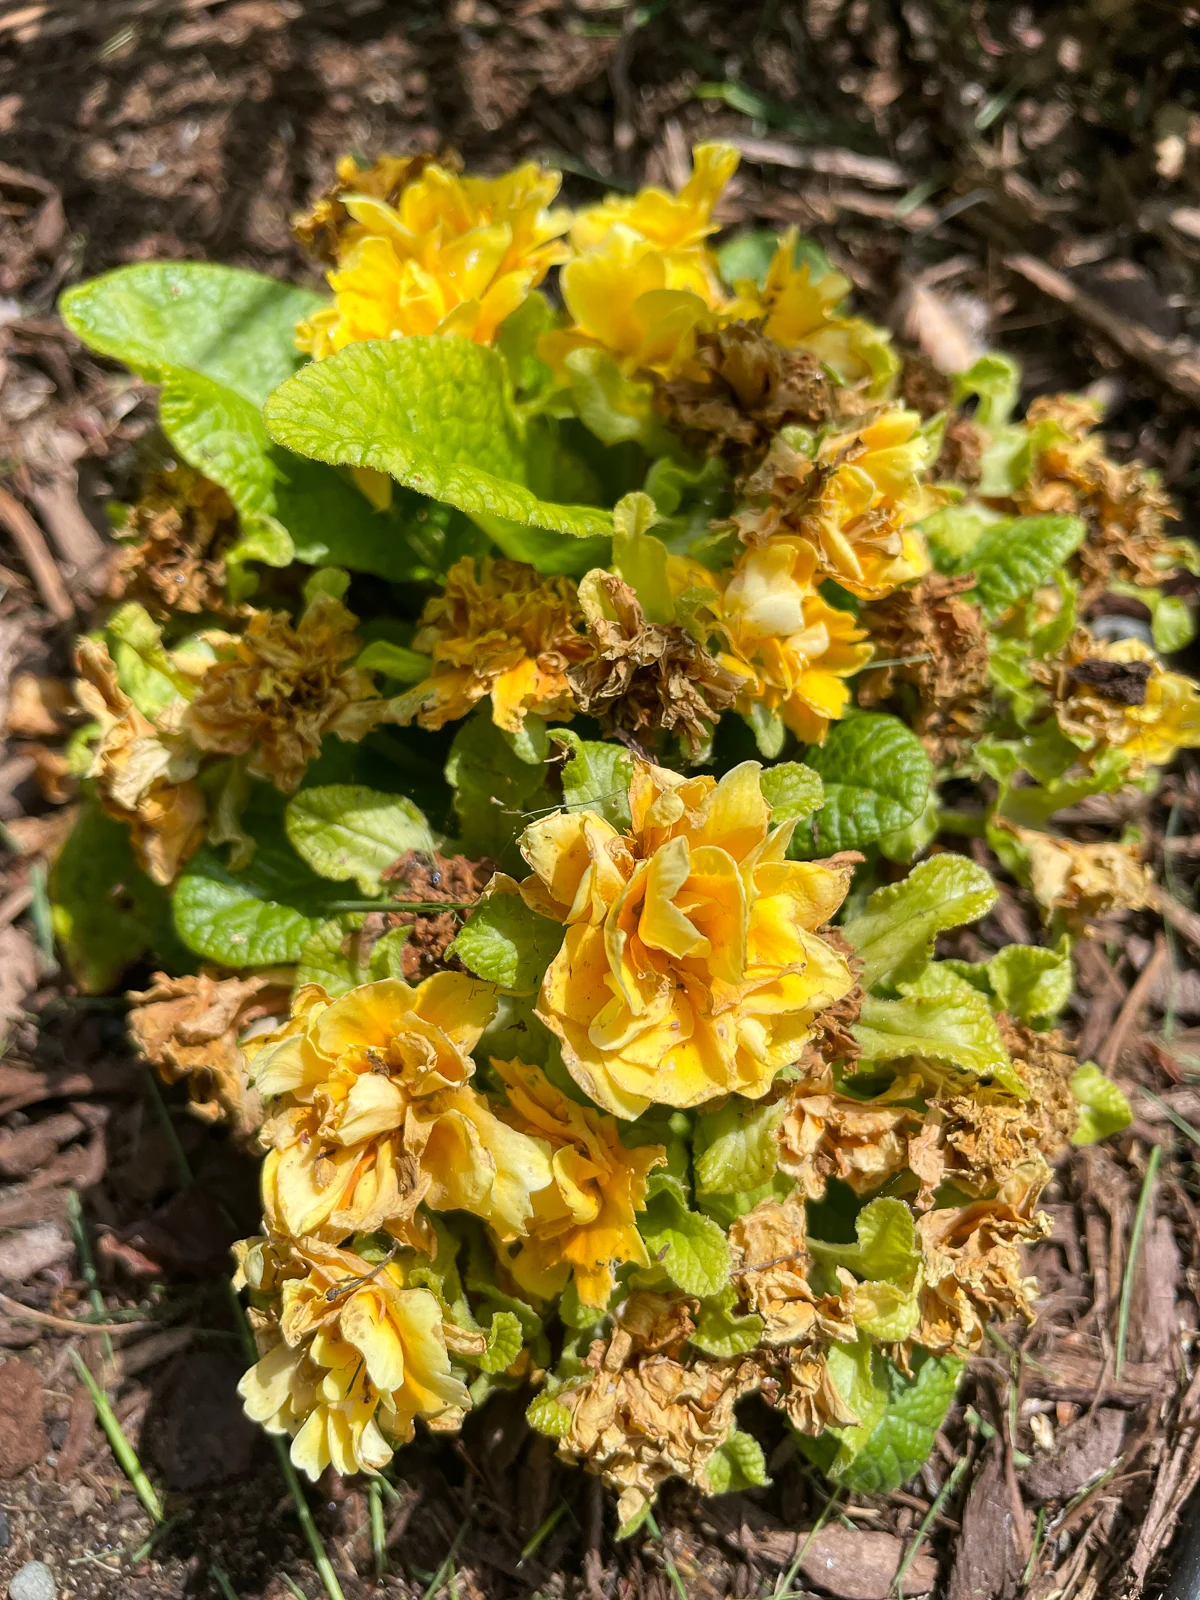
(849, 1562)
(1083, 1451)
(988, 1559)
(875, 171)
(29, 541)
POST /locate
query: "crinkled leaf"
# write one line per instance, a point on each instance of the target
(895, 933)
(435, 413)
(387, 955)
(995, 380)
(903, 1436)
(345, 831)
(689, 1248)
(549, 1416)
(792, 790)
(333, 956)
(876, 776)
(640, 558)
(597, 777)
(735, 1148)
(1103, 1108)
(507, 944)
(261, 917)
(1030, 982)
(736, 1464)
(857, 1373)
(104, 910)
(1012, 560)
(504, 1340)
(940, 1019)
(495, 792)
(721, 1330)
(885, 1243)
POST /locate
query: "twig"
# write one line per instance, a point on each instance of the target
(875, 171)
(1180, 370)
(1180, 918)
(1135, 1002)
(1135, 1239)
(29, 540)
(121, 1447)
(14, 1308)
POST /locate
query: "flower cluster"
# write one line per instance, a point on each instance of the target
(525, 729)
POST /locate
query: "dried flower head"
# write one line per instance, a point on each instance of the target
(639, 1419)
(825, 1135)
(190, 1029)
(448, 255)
(1125, 507)
(646, 677)
(747, 389)
(854, 496)
(971, 1258)
(372, 1112)
(1114, 694)
(505, 631)
(790, 648)
(429, 877)
(169, 559)
(941, 639)
(584, 1222)
(282, 687)
(1081, 882)
(144, 775)
(691, 966)
(770, 1267)
(349, 1356)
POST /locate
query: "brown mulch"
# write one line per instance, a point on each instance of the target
(1028, 175)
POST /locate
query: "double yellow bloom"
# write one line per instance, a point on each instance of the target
(691, 965)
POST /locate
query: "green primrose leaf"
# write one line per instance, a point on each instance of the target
(615, 408)
(495, 791)
(895, 932)
(734, 1149)
(856, 1372)
(1014, 559)
(394, 661)
(596, 778)
(792, 790)
(876, 776)
(504, 1340)
(690, 1249)
(885, 1247)
(737, 1463)
(721, 1330)
(995, 380)
(1032, 983)
(640, 558)
(940, 1020)
(548, 1416)
(903, 1436)
(507, 944)
(104, 910)
(346, 831)
(332, 956)
(1103, 1109)
(437, 414)
(261, 917)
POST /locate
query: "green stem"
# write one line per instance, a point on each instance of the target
(87, 1262)
(428, 906)
(972, 824)
(378, 1528)
(1135, 1239)
(939, 1500)
(121, 1447)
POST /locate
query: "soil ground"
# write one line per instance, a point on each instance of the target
(1025, 175)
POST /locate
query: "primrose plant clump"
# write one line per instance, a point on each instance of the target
(520, 736)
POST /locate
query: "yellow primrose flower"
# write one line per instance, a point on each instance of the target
(350, 1360)
(143, 774)
(1144, 710)
(584, 1220)
(282, 688)
(691, 966)
(451, 255)
(507, 632)
(374, 1114)
(643, 281)
(792, 650)
(855, 498)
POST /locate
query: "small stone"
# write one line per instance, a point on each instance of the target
(33, 1581)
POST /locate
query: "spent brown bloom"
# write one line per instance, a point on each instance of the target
(972, 1265)
(825, 1135)
(748, 387)
(285, 686)
(1124, 506)
(170, 558)
(639, 1419)
(941, 638)
(189, 1029)
(645, 677)
(430, 877)
(770, 1267)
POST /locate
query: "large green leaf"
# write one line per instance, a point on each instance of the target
(735, 1148)
(901, 1440)
(691, 1249)
(344, 830)
(507, 944)
(894, 935)
(792, 790)
(258, 918)
(876, 776)
(333, 956)
(1014, 559)
(435, 413)
(597, 777)
(219, 340)
(941, 1020)
(495, 790)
